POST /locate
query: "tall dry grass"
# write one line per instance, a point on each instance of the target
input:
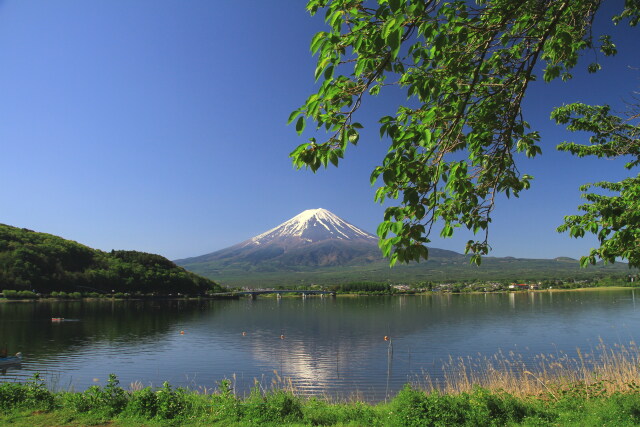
(602, 371)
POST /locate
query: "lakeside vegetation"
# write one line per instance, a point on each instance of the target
(43, 263)
(353, 288)
(600, 388)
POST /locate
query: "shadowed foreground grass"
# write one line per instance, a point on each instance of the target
(596, 389)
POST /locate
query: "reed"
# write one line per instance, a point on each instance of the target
(600, 372)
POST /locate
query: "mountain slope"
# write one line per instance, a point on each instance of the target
(315, 237)
(316, 246)
(310, 226)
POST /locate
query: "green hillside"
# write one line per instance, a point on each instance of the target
(43, 262)
(443, 266)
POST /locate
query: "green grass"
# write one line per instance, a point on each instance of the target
(32, 404)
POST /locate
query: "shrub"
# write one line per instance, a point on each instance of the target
(283, 406)
(143, 403)
(27, 295)
(32, 395)
(318, 412)
(109, 401)
(408, 407)
(170, 403)
(224, 405)
(272, 407)
(413, 407)
(10, 294)
(12, 395)
(502, 408)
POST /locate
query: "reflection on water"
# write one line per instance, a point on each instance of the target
(325, 345)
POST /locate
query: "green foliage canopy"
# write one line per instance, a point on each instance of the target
(465, 69)
(47, 263)
(612, 211)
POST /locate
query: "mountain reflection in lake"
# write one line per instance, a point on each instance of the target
(324, 346)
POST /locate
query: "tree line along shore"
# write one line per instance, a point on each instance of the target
(353, 288)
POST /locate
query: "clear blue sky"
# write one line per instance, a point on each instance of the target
(159, 125)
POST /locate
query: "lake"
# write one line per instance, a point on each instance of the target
(322, 345)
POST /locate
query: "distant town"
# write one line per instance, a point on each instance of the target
(373, 288)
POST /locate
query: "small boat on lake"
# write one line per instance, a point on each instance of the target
(11, 360)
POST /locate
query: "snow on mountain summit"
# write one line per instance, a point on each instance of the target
(313, 225)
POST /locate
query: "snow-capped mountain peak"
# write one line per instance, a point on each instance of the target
(312, 225)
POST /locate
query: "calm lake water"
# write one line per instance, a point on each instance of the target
(330, 346)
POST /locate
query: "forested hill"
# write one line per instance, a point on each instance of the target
(43, 262)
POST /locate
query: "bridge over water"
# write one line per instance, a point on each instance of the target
(255, 292)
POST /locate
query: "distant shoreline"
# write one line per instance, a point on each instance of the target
(109, 298)
(351, 295)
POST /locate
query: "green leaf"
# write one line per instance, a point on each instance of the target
(385, 247)
(447, 231)
(353, 136)
(380, 194)
(300, 124)
(333, 157)
(388, 177)
(328, 72)
(393, 259)
(388, 27)
(375, 174)
(426, 138)
(293, 115)
(395, 41)
(396, 228)
(383, 229)
(321, 65)
(316, 41)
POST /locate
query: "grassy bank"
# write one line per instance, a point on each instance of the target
(598, 388)
(32, 404)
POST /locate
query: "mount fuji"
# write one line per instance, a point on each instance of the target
(312, 225)
(315, 239)
(316, 246)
